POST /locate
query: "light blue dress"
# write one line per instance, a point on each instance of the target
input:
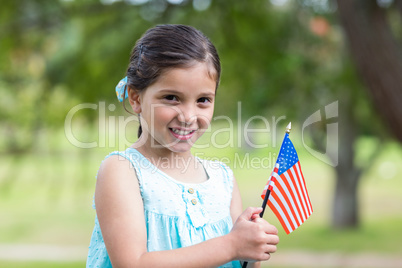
(177, 214)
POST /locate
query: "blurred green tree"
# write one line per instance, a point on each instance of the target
(374, 42)
(377, 55)
(376, 50)
(279, 58)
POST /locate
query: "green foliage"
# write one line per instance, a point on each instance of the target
(55, 55)
(269, 55)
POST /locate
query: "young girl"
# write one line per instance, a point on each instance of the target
(157, 205)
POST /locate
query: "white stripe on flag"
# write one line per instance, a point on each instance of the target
(297, 180)
(295, 194)
(276, 205)
(286, 205)
(310, 209)
(292, 203)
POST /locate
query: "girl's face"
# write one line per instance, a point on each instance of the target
(176, 109)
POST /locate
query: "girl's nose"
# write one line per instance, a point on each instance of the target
(187, 116)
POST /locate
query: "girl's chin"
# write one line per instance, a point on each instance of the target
(180, 148)
(174, 145)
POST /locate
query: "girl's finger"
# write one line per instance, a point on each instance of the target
(255, 216)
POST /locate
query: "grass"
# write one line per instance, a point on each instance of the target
(46, 197)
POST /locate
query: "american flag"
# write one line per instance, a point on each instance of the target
(288, 198)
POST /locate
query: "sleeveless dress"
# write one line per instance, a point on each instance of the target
(177, 214)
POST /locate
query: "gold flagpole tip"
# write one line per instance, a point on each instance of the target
(289, 127)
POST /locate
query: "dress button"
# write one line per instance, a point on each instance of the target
(194, 201)
(191, 190)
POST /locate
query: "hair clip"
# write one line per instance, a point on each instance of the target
(121, 89)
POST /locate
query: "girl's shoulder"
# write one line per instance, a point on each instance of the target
(116, 171)
(128, 159)
(115, 164)
(128, 154)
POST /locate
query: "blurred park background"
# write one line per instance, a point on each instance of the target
(333, 68)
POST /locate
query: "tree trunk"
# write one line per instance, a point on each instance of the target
(377, 56)
(345, 203)
(345, 206)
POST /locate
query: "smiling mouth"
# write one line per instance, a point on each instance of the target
(182, 134)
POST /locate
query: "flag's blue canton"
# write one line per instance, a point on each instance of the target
(288, 156)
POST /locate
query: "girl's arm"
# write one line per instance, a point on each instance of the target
(120, 212)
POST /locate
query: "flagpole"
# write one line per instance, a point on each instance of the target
(268, 192)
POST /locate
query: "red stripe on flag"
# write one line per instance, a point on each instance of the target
(289, 203)
(269, 182)
(305, 188)
(278, 216)
(284, 210)
(301, 189)
(304, 195)
(291, 191)
(292, 202)
(264, 192)
(295, 183)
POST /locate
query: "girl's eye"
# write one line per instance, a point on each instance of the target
(171, 98)
(204, 100)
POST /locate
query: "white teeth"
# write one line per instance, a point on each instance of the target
(181, 132)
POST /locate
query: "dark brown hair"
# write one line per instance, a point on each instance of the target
(169, 46)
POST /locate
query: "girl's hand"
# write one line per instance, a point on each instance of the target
(253, 237)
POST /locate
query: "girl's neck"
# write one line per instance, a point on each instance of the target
(181, 166)
(158, 153)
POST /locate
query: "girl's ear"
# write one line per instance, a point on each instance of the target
(135, 99)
